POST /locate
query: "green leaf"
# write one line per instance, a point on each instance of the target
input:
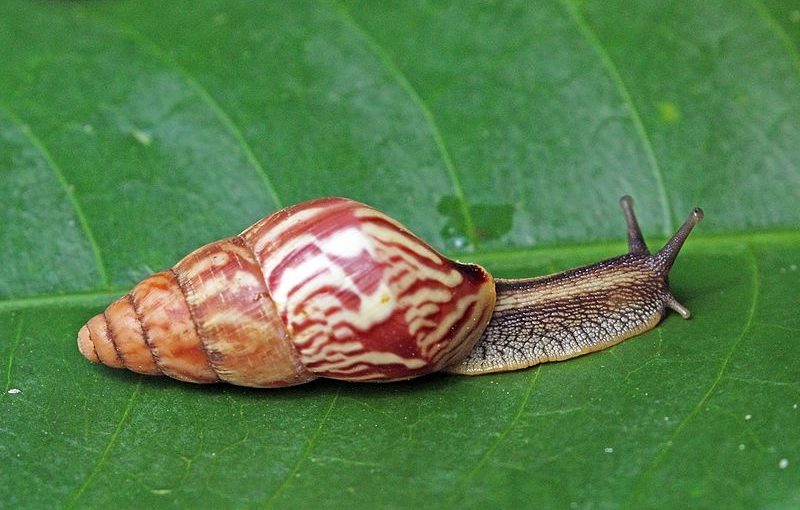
(504, 133)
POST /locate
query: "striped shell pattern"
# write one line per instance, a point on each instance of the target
(326, 288)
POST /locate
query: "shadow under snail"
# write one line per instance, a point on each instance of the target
(334, 288)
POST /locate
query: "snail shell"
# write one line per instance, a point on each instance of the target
(327, 288)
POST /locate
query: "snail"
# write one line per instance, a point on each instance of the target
(334, 288)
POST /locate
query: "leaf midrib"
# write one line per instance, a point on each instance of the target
(707, 243)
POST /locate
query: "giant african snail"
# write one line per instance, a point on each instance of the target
(333, 288)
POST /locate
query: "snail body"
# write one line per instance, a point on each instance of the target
(334, 288)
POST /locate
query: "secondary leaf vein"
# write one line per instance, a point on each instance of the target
(123, 420)
(37, 143)
(151, 48)
(778, 30)
(11, 355)
(392, 68)
(649, 470)
(305, 454)
(462, 485)
(616, 77)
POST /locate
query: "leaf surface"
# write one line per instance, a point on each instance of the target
(502, 133)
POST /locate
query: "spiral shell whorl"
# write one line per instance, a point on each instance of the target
(150, 330)
(365, 299)
(116, 338)
(244, 338)
(207, 319)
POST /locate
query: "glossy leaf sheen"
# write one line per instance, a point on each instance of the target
(503, 133)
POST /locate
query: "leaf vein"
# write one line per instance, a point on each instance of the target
(778, 30)
(98, 297)
(39, 145)
(123, 420)
(311, 442)
(394, 70)
(647, 473)
(93, 298)
(11, 356)
(615, 75)
(155, 51)
(768, 382)
(462, 485)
